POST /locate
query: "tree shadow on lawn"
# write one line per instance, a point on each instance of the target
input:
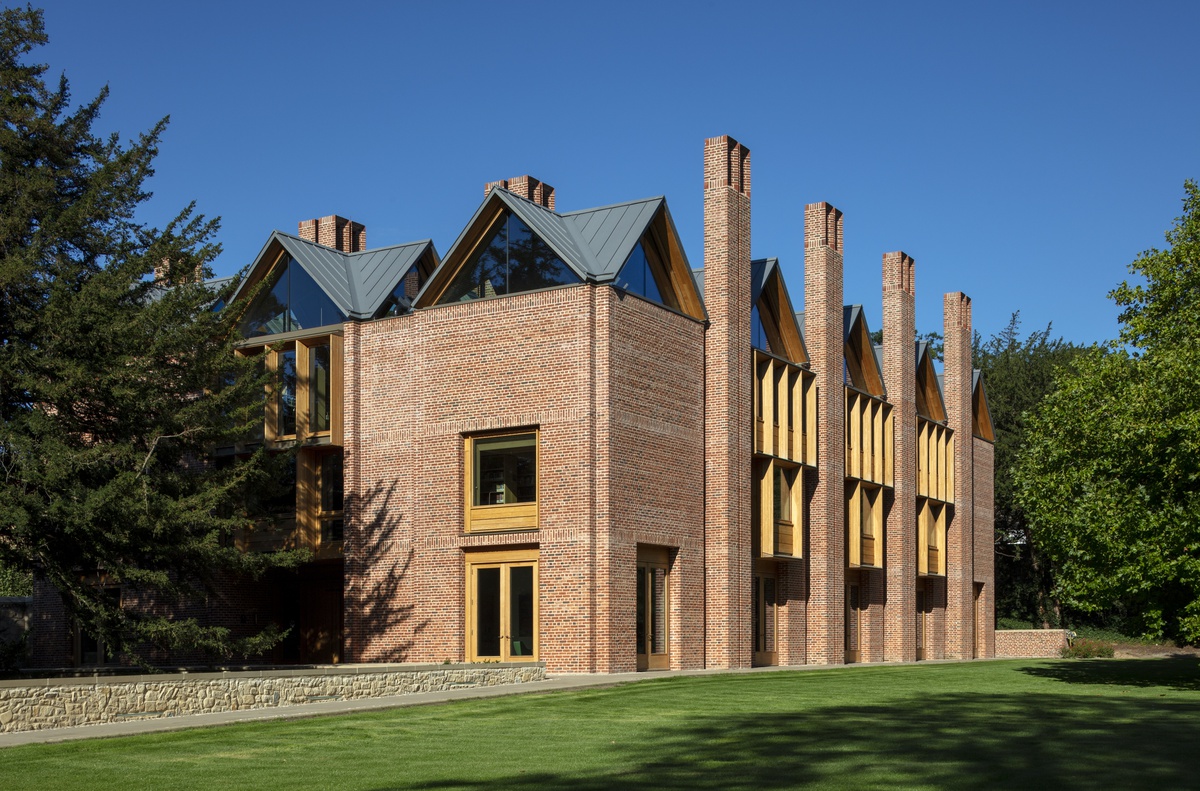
(1173, 672)
(958, 741)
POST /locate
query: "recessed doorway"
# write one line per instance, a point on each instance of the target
(653, 608)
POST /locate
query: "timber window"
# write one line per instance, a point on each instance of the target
(653, 608)
(931, 538)
(501, 481)
(779, 505)
(785, 410)
(864, 524)
(511, 259)
(868, 438)
(502, 606)
(304, 397)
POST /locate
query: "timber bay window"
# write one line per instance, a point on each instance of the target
(779, 505)
(864, 524)
(931, 538)
(304, 398)
(501, 481)
(502, 606)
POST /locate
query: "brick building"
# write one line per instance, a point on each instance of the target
(561, 443)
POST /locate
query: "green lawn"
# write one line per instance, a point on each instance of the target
(1018, 724)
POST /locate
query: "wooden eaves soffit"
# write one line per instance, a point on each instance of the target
(595, 244)
(785, 419)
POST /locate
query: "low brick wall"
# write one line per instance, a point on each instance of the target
(1030, 643)
(27, 704)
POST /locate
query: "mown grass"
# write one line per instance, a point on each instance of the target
(1017, 724)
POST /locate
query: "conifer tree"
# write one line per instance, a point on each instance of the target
(116, 380)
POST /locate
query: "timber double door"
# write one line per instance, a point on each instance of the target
(653, 608)
(502, 606)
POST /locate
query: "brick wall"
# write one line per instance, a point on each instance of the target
(728, 454)
(960, 539)
(985, 554)
(1029, 643)
(824, 337)
(899, 377)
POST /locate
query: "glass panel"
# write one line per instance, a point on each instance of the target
(520, 610)
(658, 611)
(268, 314)
(758, 334)
(310, 305)
(331, 483)
(89, 650)
(783, 496)
(768, 614)
(487, 612)
(286, 392)
(320, 369)
(636, 277)
(641, 609)
(400, 300)
(332, 530)
(505, 470)
(531, 262)
(485, 273)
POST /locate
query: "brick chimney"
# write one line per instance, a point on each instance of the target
(900, 379)
(727, 420)
(336, 232)
(526, 187)
(824, 336)
(960, 533)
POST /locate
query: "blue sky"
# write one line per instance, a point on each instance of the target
(1023, 153)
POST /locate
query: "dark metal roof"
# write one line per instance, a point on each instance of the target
(358, 283)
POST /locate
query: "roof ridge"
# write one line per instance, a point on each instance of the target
(613, 205)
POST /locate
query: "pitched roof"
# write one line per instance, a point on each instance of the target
(358, 283)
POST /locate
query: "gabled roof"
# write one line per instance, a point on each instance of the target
(358, 283)
(931, 400)
(982, 426)
(768, 291)
(856, 336)
(593, 243)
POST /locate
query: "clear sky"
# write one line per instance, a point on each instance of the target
(1021, 152)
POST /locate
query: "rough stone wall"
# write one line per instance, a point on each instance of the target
(1029, 643)
(824, 337)
(728, 452)
(64, 702)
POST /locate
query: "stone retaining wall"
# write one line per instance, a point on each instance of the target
(1030, 643)
(62, 702)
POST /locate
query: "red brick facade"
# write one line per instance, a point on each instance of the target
(644, 448)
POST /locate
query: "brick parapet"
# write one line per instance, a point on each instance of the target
(824, 338)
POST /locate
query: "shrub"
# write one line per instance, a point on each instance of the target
(1082, 648)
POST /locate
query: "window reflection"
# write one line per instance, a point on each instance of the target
(637, 277)
(293, 302)
(512, 260)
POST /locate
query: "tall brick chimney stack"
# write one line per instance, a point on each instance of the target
(960, 538)
(336, 232)
(528, 188)
(824, 336)
(728, 454)
(900, 379)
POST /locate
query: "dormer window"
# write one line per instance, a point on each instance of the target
(509, 260)
(293, 302)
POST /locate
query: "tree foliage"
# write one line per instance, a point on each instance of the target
(113, 387)
(1018, 374)
(1110, 474)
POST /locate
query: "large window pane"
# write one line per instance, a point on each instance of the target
(487, 612)
(485, 272)
(636, 277)
(293, 302)
(268, 314)
(520, 615)
(505, 470)
(758, 333)
(320, 370)
(531, 262)
(331, 482)
(310, 306)
(285, 392)
(400, 300)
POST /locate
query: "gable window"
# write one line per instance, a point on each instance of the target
(758, 333)
(400, 300)
(509, 260)
(501, 478)
(636, 276)
(293, 302)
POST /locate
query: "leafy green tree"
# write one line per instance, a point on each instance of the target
(934, 339)
(1110, 472)
(1018, 374)
(114, 383)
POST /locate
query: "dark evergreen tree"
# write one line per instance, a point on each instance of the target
(115, 382)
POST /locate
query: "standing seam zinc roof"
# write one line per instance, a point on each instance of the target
(358, 283)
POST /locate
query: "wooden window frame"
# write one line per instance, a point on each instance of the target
(932, 517)
(505, 516)
(303, 346)
(773, 533)
(504, 560)
(861, 526)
